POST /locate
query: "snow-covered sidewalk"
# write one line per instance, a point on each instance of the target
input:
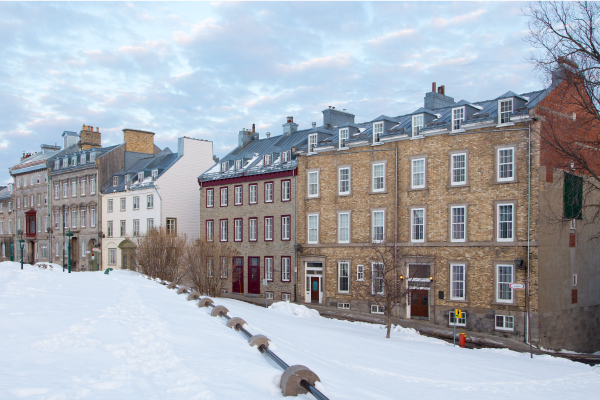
(121, 336)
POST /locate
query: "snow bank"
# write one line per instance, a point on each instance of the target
(294, 309)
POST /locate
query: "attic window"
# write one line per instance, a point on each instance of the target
(224, 166)
(458, 115)
(154, 173)
(140, 177)
(343, 136)
(268, 160)
(417, 124)
(238, 164)
(115, 181)
(312, 142)
(377, 131)
(505, 108)
(126, 178)
(83, 159)
(56, 164)
(73, 161)
(285, 156)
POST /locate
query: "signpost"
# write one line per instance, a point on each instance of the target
(457, 315)
(265, 285)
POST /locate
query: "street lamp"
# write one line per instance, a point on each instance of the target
(21, 245)
(69, 235)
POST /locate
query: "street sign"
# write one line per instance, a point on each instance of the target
(96, 249)
(265, 282)
(457, 313)
(517, 286)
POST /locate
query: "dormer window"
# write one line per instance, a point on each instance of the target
(268, 160)
(154, 173)
(344, 134)
(458, 116)
(82, 159)
(505, 108)
(140, 177)
(56, 164)
(126, 178)
(312, 142)
(238, 164)
(417, 124)
(73, 161)
(377, 131)
(65, 162)
(224, 166)
(285, 156)
(115, 181)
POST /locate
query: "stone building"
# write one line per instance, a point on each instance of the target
(31, 207)
(248, 199)
(7, 234)
(152, 191)
(448, 187)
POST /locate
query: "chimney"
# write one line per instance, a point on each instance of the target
(314, 124)
(253, 129)
(138, 141)
(290, 126)
(564, 65)
(433, 87)
(245, 136)
(333, 117)
(434, 100)
(89, 138)
(216, 159)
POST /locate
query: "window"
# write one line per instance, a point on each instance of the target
(65, 162)
(10, 206)
(74, 218)
(237, 230)
(210, 197)
(344, 134)
(46, 178)
(343, 277)
(268, 228)
(83, 249)
(417, 124)
(377, 131)
(74, 188)
(123, 203)
(45, 198)
(268, 159)
(224, 166)
(506, 164)
(150, 223)
(237, 195)
(223, 267)
(83, 218)
(112, 256)
(378, 226)
(154, 174)
(93, 185)
(56, 164)
(269, 192)
(136, 202)
(378, 177)
(223, 231)
(209, 230)
(457, 281)
(269, 295)
(269, 268)
(18, 202)
(377, 281)
(458, 217)
(56, 248)
(136, 227)
(224, 197)
(505, 216)
(458, 115)
(115, 181)
(109, 228)
(65, 189)
(505, 322)
(253, 193)
(459, 169)
(56, 220)
(313, 228)
(82, 161)
(56, 190)
(313, 184)
(1, 207)
(286, 297)
(109, 205)
(172, 226)
(462, 321)
(92, 217)
(418, 173)
(286, 269)
(140, 177)
(123, 231)
(39, 200)
(285, 156)
(10, 227)
(82, 191)
(238, 164)
(286, 227)
(360, 273)
(344, 227)
(252, 229)
(504, 111)
(150, 201)
(18, 182)
(286, 193)
(417, 225)
(1, 227)
(73, 161)
(312, 142)
(39, 224)
(344, 181)
(504, 277)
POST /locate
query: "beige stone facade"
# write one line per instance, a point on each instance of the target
(7, 233)
(139, 141)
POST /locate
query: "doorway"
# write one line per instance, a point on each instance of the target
(419, 304)
(314, 282)
(254, 275)
(237, 285)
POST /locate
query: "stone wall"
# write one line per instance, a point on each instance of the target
(138, 141)
(575, 329)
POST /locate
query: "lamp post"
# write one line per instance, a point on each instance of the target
(69, 235)
(21, 244)
(64, 227)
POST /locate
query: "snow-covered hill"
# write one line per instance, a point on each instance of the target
(121, 336)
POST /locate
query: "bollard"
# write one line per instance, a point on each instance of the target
(462, 338)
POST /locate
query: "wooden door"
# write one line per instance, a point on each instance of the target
(314, 289)
(237, 285)
(419, 304)
(254, 275)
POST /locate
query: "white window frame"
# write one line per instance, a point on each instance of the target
(112, 256)
(74, 218)
(460, 283)
(110, 229)
(253, 229)
(343, 136)
(499, 223)
(238, 164)
(360, 273)
(454, 168)
(506, 325)
(154, 174)
(375, 179)
(376, 277)
(417, 124)
(115, 181)
(462, 321)
(413, 225)
(56, 191)
(109, 205)
(122, 228)
(269, 269)
(210, 229)
(377, 131)
(344, 181)
(373, 226)
(150, 201)
(458, 116)
(269, 229)
(414, 173)
(93, 185)
(286, 190)
(224, 166)
(223, 230)
(136, 227)
(315, 219)
(285, 156)
(92, 217)
(136, 202)
(268, 159)
(65, 189)
(82, 217)
(286, 269)
(512, 164)
(269, 192)
(343, 276)
(454, 224)
(122, 204)
(223, 199)
(313, 187)
(237, 195)
(210, 198)
(253, 188)
(82, 187)
(150, 224)
(286, 223)
(312, 142)
(341, 237)
(504, 114)
(498, 283)
(237, 230)
(140, 177)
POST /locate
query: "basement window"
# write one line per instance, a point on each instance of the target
(376, 309)
(462, 321)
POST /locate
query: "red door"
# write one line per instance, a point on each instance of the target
(237, 285)
(314, 289)
(254, 275)
(419, 304)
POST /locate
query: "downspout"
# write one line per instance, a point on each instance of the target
(295, 237)
(396, 227)
(528, 333)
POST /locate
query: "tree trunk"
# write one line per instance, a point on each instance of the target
(389, 322)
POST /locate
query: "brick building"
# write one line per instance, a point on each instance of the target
(449, 185)
(7, 234)
(248, 199)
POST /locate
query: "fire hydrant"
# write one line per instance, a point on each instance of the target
(462, 338)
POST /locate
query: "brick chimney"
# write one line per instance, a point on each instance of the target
(89, 138)
(138, 141)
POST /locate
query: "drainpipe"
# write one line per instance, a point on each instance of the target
(528, 333)
(295, 237)
(396, 228)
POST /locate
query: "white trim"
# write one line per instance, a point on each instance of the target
(500, 122)
(464, 280)
(512, 163)
(382, 189)
(340, 240)
(308, 177)
(453, 168)
(512, 222)
(360, 273)
(453, 119)
(377, 131)
(417, 123)
(462, 321)
(340, 181)
(373, 226)
(464, 223)
(347, 276)
(308, 228)
(505, 319)
(412, 225)
(413, 173)
(512, 280)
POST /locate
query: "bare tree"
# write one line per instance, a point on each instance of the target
(161, 255)
(208, 265)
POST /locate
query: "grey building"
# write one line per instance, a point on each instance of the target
(7, 234)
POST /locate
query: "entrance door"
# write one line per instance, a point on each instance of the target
(419, 304)
(237, 285)
(314, 289)
(254, 275)
(124, 259)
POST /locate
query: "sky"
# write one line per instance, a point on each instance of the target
(208, 70)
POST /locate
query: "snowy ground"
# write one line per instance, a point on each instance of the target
(121, 336)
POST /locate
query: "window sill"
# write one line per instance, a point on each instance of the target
(496, 303)
(504, 182)
(313, 197)
(377, 144)
(344, 194)
(457, 301)
(504, 329)
(417, 189)
(505, 124)
(379, 192)
(462, 185)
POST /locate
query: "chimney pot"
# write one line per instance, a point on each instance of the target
(253, 129)
(291, 119)
(333, 108)
(268, 135)
(329, 106)
(97, 129)
(443, 87)
(314, 124)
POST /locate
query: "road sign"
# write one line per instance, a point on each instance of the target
(517, 286)
(457, 313)
(265, 282)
